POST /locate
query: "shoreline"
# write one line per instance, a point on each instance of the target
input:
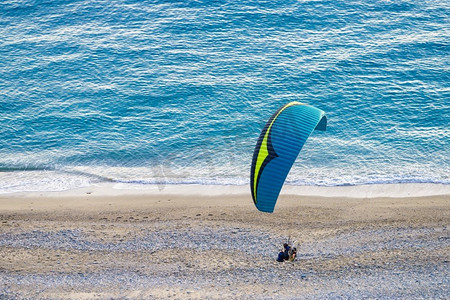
(394, 190)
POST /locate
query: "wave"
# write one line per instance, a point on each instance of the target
(14, 180)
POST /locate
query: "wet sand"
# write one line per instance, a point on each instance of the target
(92, 245)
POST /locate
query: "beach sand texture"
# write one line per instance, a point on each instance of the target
(159, 246)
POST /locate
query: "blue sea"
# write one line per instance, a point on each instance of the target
(177, 92)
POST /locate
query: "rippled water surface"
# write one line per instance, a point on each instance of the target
(178, 91)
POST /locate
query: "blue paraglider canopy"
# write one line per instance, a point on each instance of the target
(277, 148)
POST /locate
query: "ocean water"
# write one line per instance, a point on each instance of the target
(171, 92)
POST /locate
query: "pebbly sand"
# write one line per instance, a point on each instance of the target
(212, 243)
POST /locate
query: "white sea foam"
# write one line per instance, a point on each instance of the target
(76, 182)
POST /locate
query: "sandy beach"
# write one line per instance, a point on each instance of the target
(212, 243)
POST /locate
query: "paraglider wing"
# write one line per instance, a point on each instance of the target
(277, 148)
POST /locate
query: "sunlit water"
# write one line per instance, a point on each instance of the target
(147, 92)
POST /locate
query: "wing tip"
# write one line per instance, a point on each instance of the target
(322, 125)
